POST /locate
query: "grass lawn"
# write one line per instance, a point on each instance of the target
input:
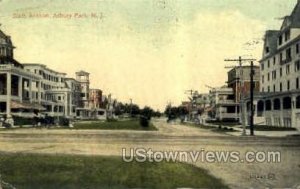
(60, 171)
(120, 125)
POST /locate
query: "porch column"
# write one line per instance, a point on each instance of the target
(281, 113)
(8, 95)
(293, 112)
(255, 107)
(20, 88)
(66, 104)
(52, 109)
(272, 113)
(30, 90)
(39, 91)
(70, 105)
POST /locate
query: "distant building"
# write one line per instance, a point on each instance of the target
(96, 104)
(223, 104)
(239, 81)
(278, 102)
(95, 98)
(83, 111)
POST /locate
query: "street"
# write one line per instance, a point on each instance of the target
(170, 137)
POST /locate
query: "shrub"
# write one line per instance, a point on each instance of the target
(23, 120)
(64, 121)
(144, 121)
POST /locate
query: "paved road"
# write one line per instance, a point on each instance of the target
(170, 137)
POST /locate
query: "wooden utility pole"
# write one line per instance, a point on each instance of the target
(240, 61)
(251, 99)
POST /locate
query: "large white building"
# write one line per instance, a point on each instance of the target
(278, 103)
(26, 89)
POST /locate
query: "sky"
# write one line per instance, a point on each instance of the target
(150, 51)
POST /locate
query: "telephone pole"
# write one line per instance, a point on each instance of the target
(240, 61)
(251, 99)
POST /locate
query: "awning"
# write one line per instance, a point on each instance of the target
(25, 105)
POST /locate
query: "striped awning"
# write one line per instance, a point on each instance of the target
(25, 105)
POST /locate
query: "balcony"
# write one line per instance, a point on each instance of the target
(287, 60)
(227, 115)
(227, 102)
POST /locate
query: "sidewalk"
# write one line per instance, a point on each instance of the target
(265, 133)
(239, 132)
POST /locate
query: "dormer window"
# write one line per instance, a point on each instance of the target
(287, 35)
(267, 49)
(280, 40)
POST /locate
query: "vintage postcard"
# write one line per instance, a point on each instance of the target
(149, 94)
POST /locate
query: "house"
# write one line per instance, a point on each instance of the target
(223, 104)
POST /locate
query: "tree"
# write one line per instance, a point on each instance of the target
(147, 112)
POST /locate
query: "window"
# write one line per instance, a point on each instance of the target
(297, 83)
(287, 69)
(287, 35)
(59, 97)
(280, 40)
(288, 54)
(274, 75)
(262, 66)
(280, 87)
(262, 89)
(280, 72)
(267, 49)
(297, 65)
(288, 85)
(274, 60)
(268, 88)
(268, 63)
(263, 79)
(268, 76)
(297, 48)
(274, 88)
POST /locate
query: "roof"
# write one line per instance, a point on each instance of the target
(7, 38)
(271, 36)
(295, 16)
(81, 72)
(10, 60)
(44, 67)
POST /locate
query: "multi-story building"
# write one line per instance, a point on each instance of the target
(223, 104)
(95, 98)
(83, 111)
(19, 89)
(239, 81)
(75, 98)
(26, 89)
(54, 94)
(96, 104)
(278, 103)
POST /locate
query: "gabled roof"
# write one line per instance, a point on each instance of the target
(293, 20)
(2, 34)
